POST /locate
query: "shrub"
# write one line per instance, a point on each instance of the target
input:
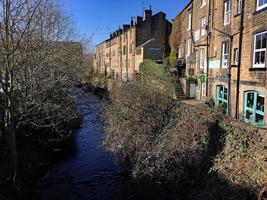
(243, 160)
(162, 138)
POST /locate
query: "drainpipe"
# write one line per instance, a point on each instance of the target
(208, 47)
(239, 60)
(127, 57)
(230, 75)
(121, 55)
(110, 59)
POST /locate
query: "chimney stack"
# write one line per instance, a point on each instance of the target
(126, 27)
(138, 20)
(148, 13)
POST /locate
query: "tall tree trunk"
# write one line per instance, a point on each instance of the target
(13, 159)
(11, 138)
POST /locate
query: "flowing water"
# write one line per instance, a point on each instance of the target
(88, 172)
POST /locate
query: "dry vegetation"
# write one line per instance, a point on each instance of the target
(190, 146)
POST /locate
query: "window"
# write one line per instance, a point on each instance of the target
(236, 54)
(203, 26)
(222, 97)
(191, 72)
(239, 6)
(132, 62)
(227, 12)
(202, 58)
(124, 50)
(189, 43)
(261, 4)
(189, 21)
(180, 53)
(259, 57)
(254, 107)
(196, 64)
(203, 3)
(225, 54)
(203, 85)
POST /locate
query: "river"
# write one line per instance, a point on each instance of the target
(88, 172)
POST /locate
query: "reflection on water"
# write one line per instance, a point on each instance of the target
(89, 172)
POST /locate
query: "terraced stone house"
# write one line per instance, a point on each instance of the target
(221, 53)
(144, 38)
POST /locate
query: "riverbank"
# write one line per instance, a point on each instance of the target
(196, 150)
(37, 151)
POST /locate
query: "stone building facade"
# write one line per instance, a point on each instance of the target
(222, 49)
(144, 38)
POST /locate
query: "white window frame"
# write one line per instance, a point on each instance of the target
(203, 85)
(262, 6)
(189, 46)
(189, 21)
(239, 6)
(203, 3)
(227, 13)
(258, 50)
(203, 26)
(202, 60)
(180, 52)
(225, 55)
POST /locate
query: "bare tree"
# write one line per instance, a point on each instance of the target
(38, 62)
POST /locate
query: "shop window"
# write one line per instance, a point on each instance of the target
(254, 107)
(222, 97)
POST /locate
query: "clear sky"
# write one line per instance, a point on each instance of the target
(97, 18)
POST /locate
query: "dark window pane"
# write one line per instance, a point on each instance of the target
(250, 100)
(258, 41)
(259, 118)
(260, 103)
(264, 40)
(262, 61)
(249, 115)
(257, 58)
(225, 93)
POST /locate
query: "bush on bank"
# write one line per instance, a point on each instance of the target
(243, 159)
(169, 141)
(145, 125)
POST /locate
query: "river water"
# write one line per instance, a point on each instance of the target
(88, 172)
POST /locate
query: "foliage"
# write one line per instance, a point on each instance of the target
(163, 138)
(202, 78)
(38, 64)
(191, 79)
(172, 57)
(243, 160)
(166, 61)
(155, 76)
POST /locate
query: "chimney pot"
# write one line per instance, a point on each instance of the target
(139, 20)
(148, 14)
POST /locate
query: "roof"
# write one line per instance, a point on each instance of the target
(135, 25)
(145, 43)
(189, 4)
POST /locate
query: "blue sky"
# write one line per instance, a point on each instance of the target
(100, 17)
